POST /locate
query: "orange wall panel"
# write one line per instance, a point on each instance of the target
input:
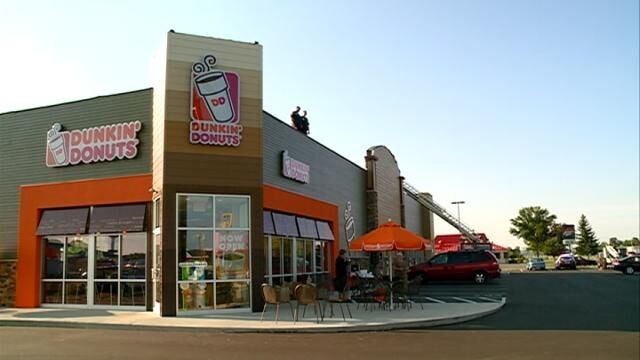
(285, 201)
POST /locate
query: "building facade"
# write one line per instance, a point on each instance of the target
(182, 198)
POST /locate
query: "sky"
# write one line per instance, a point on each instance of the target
(501, 104)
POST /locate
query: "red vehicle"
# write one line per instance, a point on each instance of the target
(478, 266)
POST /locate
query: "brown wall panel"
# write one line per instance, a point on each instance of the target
(197, 168)
(219, 170)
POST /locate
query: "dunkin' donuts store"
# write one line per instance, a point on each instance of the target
(184, 197)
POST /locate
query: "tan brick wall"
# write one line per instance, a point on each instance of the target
(384, 180)
(7, 283)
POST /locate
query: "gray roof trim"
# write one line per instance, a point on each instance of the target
(77, 101)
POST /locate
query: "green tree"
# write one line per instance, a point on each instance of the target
(534, 225)
(631, 242)
(587, 241)
(553, 246)
(614, 242)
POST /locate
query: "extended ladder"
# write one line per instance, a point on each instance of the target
(442, 213)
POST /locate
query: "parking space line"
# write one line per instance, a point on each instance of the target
(463, 300)
(435, 300)
(488, 299)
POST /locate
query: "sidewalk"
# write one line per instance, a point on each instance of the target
(363, 320)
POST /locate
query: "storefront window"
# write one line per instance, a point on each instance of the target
(75, 292)
(232, 255)
(232, 212)
(276, 256)
(77, 257)
(310, 257)
(195, 254)
(134, 264)
(71, 276)
(213, 252)
(195, 211)
(52, 292)
(107, 256)
(53, 258)
(287, 255)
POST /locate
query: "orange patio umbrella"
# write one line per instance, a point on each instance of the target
(389, 237)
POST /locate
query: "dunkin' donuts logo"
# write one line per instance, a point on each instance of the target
(101, 143)
(215, 105)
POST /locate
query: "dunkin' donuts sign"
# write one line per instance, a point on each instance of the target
(96, 144)
(215, 105)
(294, 169)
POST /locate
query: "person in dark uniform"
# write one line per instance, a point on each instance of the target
(342, 270)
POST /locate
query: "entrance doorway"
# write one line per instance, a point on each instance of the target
(100, 270)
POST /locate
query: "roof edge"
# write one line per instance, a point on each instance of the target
(314, 140)
(75, 101)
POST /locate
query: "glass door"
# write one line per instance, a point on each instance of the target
(155, 272)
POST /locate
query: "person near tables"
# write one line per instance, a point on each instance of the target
(400, 271)
(342, 270)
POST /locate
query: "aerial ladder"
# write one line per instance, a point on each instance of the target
(441, 212)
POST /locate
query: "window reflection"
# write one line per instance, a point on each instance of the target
(77, 257)
(134, 248)
(106, 257)
(53, 258)
(195, 211)
(115, 257)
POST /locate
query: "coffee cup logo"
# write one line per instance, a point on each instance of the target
(56, 149)
(349, 224)
(215, 105)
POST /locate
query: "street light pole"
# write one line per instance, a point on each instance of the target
(458, 204)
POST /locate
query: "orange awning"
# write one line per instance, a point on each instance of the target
(389, 237)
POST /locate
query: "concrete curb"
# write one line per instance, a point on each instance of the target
(366, 327)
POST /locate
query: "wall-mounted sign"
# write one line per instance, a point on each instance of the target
(215, 105)
(349, 224)
(294, 169)
(96, 144)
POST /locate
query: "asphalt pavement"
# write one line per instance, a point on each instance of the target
(557, 300)
(572, 315)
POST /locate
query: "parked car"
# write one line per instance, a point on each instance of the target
(581, 261)
(627, 265)
(478, 266)
(536, 264)
(566, 261)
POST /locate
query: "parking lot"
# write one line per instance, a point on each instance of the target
(583, 299)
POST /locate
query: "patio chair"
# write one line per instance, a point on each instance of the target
(341, 298)
(270, 297)
(307, 295)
